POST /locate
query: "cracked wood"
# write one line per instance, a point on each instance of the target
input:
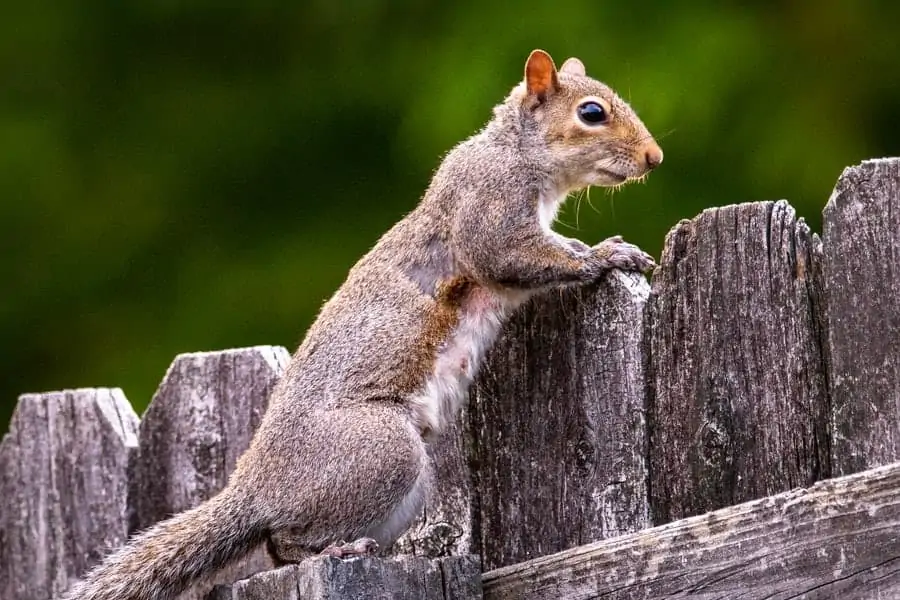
(837, 539)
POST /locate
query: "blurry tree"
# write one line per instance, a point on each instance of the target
(182, 176)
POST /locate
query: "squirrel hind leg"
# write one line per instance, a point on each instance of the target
(401, 516)
(288, 546)
(371, 483)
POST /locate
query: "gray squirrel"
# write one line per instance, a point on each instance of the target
(340, 454)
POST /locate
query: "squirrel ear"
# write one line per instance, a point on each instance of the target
(573, 66)
(540, 74)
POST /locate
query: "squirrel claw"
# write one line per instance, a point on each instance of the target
(361, 547)
(615, 253)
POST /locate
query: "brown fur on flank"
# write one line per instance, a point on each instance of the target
(341, 452)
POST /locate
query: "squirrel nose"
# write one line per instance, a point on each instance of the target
(653, 155)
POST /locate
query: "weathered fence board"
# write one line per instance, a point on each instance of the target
(837, 539)
(737, 393)
(201, 419)
(325, 578)
(557, 419)
(861, 236)
(63, 484)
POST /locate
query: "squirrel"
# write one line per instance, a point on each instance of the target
(341, 451)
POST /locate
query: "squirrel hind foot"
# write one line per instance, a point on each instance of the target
(285, 549)
(361, 547)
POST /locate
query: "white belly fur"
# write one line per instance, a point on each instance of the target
(481, 317)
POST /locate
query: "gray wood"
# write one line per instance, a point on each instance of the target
(837, 539)
(461, 577)
(557, 421)
(200, 421)
(277, 584)
(63, 484)
(737, 395)
(861, 236)
(398, 578)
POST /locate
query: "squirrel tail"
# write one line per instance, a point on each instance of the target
(166, 559)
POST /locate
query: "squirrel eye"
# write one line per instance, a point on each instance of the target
(591, 113)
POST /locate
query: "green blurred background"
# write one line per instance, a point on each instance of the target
(189, 176)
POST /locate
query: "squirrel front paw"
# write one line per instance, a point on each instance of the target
(616, 253)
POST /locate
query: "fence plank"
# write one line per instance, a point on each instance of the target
(558, 429)
(861, 236)
(200, 421)
(325, 578)
(837, 539)
(737, 394)
(64, 465)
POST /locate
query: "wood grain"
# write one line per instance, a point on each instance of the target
(837, 539)
(325, 578)
(63, 480)
(737, 393)
(558, 435)
(861, 237)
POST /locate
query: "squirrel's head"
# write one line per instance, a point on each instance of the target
(590, 134)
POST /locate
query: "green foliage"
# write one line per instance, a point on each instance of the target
(190, 176)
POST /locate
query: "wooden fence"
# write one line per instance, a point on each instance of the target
(607, 424)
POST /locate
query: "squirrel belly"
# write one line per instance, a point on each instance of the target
(481, 316)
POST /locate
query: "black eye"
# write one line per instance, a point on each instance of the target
(592, 113)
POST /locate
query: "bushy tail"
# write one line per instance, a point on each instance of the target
(166, 559)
